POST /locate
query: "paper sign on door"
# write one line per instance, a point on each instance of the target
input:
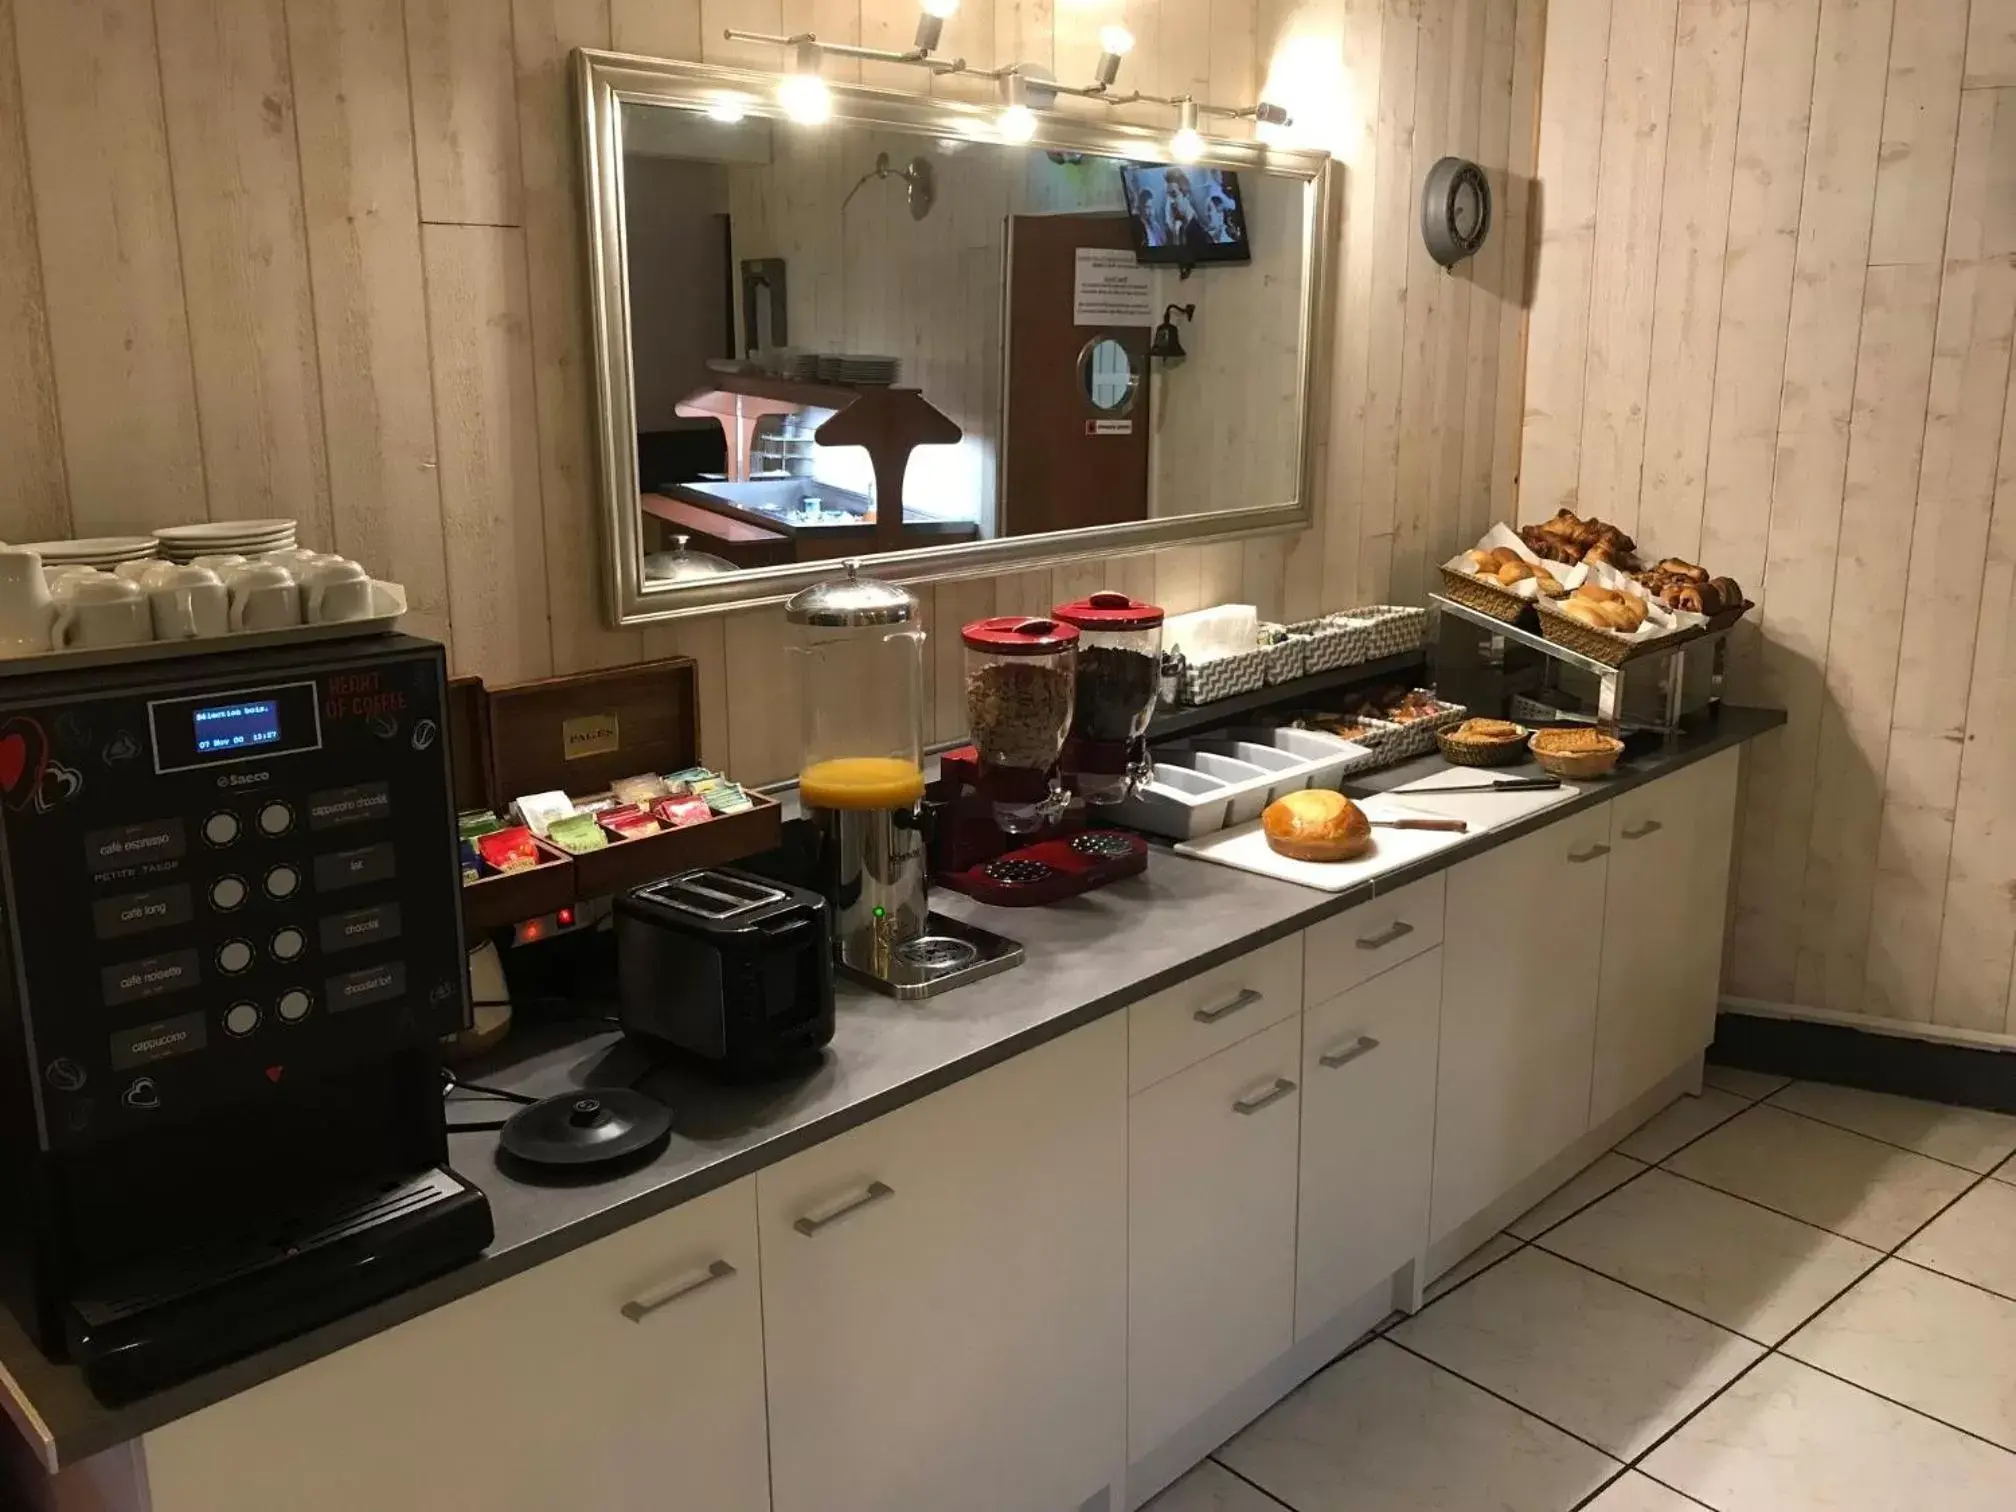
(1111, 289)
(1109, 427)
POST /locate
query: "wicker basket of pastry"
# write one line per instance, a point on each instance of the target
(1483, 742)
(1570, 538)
(1593, 621)
(1484, 583)
(1682, 586)
(1575, 751)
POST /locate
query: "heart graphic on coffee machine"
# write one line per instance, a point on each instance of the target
(24, 756)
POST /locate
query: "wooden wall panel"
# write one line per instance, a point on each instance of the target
(1827, 420)
(369, 211)
(34, 496)
(90, 87)
(465, 110)
(228, 93)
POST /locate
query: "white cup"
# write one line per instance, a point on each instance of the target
(26, 610)
(100, 610)
(57, 576)
(188, 603)
(221, 563)
(136, 572)
(334, 589)
(264, 596)
(293, 557)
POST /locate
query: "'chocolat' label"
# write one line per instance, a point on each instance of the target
(365, 926)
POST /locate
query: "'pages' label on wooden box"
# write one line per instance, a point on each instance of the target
(590, 735)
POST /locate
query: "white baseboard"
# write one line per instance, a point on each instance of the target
(1945, 1034)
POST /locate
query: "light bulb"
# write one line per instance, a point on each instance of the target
(805, 98)
(1187, 145)
(727, 109)
(944, 10)
(1016, 124)
(1116, 40)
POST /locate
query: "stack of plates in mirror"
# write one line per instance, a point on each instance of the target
(98, 551)
(859, 368)
(249, 538)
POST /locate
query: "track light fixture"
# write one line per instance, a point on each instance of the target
(1115, 42)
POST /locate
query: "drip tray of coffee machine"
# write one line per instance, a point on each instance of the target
(1051, 870)
(950, 953)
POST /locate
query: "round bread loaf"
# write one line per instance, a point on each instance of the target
(1316, 825)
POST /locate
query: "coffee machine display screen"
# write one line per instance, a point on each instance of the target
(239, 726)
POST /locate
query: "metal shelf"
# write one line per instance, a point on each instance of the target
(1175, 721)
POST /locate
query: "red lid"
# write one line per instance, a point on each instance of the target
(1018, 635)
(1110, 611)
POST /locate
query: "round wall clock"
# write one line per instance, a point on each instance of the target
(1455, 210)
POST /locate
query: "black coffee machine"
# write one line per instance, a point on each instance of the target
(233, 936)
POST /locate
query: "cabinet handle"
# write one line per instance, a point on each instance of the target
(1594, 853)
(1365, 1045)
(1250, 1105)
(1245, 999)
(641, 1306)
(1649, 827)
(1398, 930)
(875, 1191)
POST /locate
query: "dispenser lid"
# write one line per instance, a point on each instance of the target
(1019, 635)
(851, 600)
(682, 565)
(1107, 610)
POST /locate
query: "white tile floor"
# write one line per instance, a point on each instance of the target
(1776, 1297)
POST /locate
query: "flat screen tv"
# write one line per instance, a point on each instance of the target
(1185, 215)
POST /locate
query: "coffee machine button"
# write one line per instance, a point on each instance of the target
(227, 893)
(288, 943)
(233, 956)
(276, 818)
(294, 1005)
(143, 1094)
(240, 1019)
(282, 882)
(221, 828)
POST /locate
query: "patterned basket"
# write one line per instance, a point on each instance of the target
(1288, 659)
(1482, 753)
(1222, 677)
(1501, 604)
(1332, 643)
(1417, 737)
(1391, 629)
(1601, 645)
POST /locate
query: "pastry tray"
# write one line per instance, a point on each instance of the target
(388, 602)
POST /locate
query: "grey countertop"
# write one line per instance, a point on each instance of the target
(1086, 958)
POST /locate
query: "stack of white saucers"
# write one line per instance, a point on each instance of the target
(868, 370)
(250, 538)
(98, 551)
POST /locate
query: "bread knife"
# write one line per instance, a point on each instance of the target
(1451, 826)
(1495, 785)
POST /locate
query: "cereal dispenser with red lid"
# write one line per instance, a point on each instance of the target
(1119, 673)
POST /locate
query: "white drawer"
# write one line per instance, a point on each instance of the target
(1371, 938)
(1180, 1025)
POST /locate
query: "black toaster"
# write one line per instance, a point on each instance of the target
(726, 966)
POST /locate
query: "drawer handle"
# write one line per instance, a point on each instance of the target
(1251, 1105)
(641, 1306)
(1245, 999)
(874, 1192)
(1594, 853)
(1399, 929)
(1364, 1045)
(1649, 827)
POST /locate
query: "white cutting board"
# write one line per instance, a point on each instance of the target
(1485, 809)
(1246, 848)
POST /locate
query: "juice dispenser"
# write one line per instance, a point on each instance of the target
(861, 786)
(1119, 674)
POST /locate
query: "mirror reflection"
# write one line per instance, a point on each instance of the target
(852, 339)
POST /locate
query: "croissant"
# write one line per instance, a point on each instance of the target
(1695, 599)
(1675, 567)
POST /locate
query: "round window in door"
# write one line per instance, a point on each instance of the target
(1107, 376)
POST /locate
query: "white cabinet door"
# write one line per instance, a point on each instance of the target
(1211, 1237)
(944, 1294)
(1368, 1136)
(1662, 930)
(539, 1392)
(1520, 952)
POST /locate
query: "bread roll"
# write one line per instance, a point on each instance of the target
(1480, 561)
(1584, 612)
(1503, 554)
(1549, 584)
(1316, 825)
(1514, 571)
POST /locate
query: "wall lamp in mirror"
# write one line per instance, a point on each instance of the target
(1026, 88)
(1167, 342)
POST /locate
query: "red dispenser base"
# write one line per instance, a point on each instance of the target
(971, 855)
